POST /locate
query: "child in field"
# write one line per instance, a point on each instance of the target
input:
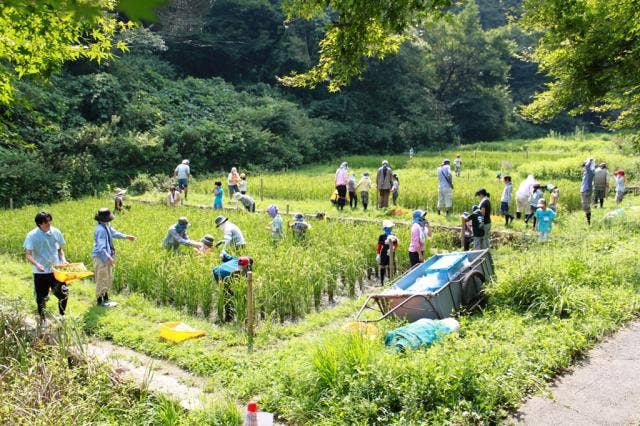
(505, 200)
(334, 197)
(277, 234)
(218, 192)
(457, 163)
(364, 185)
(395, 188)
(477, 225)
(205, 246)
(242, 185)
(545, 217)
(299, 227)
(536, 195)
(386, 240)
(351, 188)
(618, 176)
(118, 200)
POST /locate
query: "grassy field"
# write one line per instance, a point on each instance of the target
(548, 304)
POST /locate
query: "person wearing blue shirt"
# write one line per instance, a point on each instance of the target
(104, 253)
(544, 218)
(44, 249)
(230, 265)
(586, 188)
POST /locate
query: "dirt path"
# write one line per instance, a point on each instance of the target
(601, 389)
(155, 374)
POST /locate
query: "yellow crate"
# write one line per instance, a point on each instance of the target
(71, 272)
(176, 331)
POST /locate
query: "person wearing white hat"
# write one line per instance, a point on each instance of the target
(384, 184)
(387, 241)
(246, 200)
(182, 173)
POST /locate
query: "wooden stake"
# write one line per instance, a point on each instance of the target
(287, 209)
(10, 203)
(250, 309)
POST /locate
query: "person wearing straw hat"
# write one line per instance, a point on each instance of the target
(386, 240)
(182, 173)
(118, 200)
(44, 249)
(104, 254)
(232, 235)
(205, 246)
(177, 236)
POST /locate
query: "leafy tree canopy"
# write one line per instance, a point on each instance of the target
(356, 30)
(591, 49)
(37, 37)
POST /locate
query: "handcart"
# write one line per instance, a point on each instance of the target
(435, 288)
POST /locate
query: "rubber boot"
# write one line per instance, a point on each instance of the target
(588, 218)
(100, 300)
(518, 215)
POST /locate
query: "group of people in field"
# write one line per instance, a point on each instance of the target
(387, 184)
(44, 245)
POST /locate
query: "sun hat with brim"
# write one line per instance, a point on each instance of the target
(220, 220)
(185, 161)
(619, 172)
(387, 223)
(183, 220)
(120, 191)
(207, 240)
(104, 215)
(446, 161)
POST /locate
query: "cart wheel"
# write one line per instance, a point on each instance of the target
(470, 282)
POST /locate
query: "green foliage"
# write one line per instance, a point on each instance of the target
(591, 50)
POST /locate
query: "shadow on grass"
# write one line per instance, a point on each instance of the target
(91, 318)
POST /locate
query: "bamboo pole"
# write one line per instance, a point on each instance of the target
(261, 193)
(10, 203)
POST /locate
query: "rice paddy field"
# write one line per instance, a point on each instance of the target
(548, 304)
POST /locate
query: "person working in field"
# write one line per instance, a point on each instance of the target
(218, 193)
(618, 176)
(457, 164)
(341, 181)
(173, 197)
(118, 200)
(600, 184)
(233, 179)
(229, 267)
(243, 184)
(232, 235)
(246, 200)
(586, 187)
(351, 188)
(277, 233)
(419, 233)
(477, 222)
(485, 209)
(384, 184)
(445, 187)
(386, 241)
(299, 227)
(544, 218)
(104, 255)
(364, 186)
(44, 249)
(182, 173)
(205, 246)
(177, 236)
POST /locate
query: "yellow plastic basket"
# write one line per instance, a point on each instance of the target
(71, 272)
(176, 331)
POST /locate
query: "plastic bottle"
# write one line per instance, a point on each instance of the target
(251, 416)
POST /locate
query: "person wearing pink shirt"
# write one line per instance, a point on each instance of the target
(420, 231)
(342, 178)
